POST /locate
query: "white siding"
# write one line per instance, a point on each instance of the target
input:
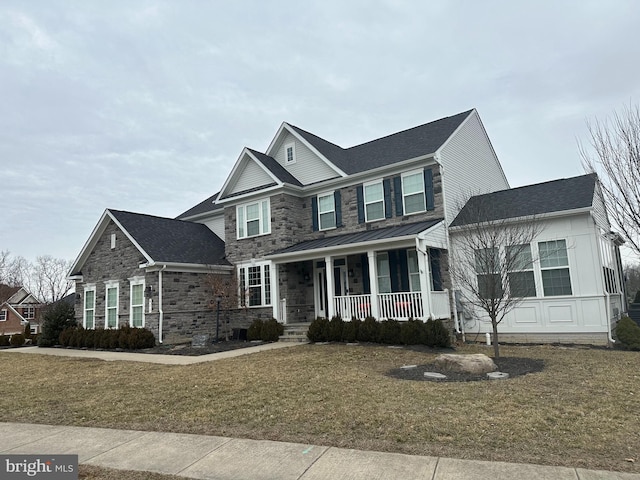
(308, 168)
(599, 210)
(470, 166)
(583, 312)
(250, 175)
(216, 225)
(437, 237)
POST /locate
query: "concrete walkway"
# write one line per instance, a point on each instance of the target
(150, 357)
(222, 458)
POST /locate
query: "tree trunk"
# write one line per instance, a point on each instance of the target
(496, 347)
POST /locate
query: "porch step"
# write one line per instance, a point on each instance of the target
(295, 332)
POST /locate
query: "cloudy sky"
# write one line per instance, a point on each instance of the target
(145, 106)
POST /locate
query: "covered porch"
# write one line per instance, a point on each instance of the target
(389, 273)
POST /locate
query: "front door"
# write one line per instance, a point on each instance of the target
(340, 284)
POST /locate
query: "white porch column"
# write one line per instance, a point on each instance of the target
(274, 278)
(425, 278)
(373, 284)
(331, 290)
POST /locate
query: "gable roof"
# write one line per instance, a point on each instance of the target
(560, 195)
(274, 167)
(208, 205)
(6, 291)
(160, 240)
(166, 240)
(385, 233)
(7, 305)
(415, 142)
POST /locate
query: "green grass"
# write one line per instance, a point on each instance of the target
(581, 411)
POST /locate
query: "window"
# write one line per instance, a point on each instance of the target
(384, 273)
(373, 201)
(520, 276)
(3, 315)
(111, 305)
(326, 211)
(113, 241)
(487, 266)
(29, 313)
(136, 314)
(89, 306)
(413, 197)
(255, 285)
(253, 219)
(290, 152)
(554, 266)
(414, 271)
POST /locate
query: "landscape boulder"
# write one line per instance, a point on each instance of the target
(477, 363)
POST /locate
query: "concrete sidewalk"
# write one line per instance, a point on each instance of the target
(150, 357)
(222, 458)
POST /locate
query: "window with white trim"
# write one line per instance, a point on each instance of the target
(253, 219)
(327, 211)
(136, 312)
(554, 268)
(89, 316)
(373, 194)
(111, 305)
(384, 272)
(520, 275)
(413, 197)
(290, 153)
(414, 270)
(487, 268)
(3, 315)
(255, 285)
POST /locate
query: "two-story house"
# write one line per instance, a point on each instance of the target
(19, 308)
(306, 229)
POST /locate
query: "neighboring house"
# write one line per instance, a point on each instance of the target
(20, 308)
(147, 271)
(574, 286)
(307, 228)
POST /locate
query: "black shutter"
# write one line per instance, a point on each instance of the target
(428, 188)
(337, 198)
(434, 258)
(360, 198)
(397, 190)
(393, 270)
(314, 213)
(386, 185)
(404, 270)
(366, 282)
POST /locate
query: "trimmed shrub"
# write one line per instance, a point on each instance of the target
(628, 333)
(17, 340)
(255, 330)
(412, 332)
(318, 330)
(27, 330)
(335, 329)
(436, 335)
(5, 341)
(271, 330)
(126, 338)
(350, 330)
(56, 318)
(389, 332)
(368, 330)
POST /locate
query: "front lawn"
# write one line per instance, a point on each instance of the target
(580, 411)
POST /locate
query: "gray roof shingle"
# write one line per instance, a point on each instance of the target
(407, 144)
(554, 196)
(173, 241)
(361, 237)
(274, 167)
(206, 206)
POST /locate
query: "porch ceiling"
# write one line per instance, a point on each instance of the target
(358, 239)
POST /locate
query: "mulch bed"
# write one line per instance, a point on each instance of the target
(514, 366)
(210, 347)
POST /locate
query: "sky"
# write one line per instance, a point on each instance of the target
(145, 106)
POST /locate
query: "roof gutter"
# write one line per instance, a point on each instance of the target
(186, 267)
(526, 218)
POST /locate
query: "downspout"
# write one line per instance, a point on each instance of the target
(426, 301)
(160, 310)
(606, 294)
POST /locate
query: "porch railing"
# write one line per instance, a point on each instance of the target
(398, 306)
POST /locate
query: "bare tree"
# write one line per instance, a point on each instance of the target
(614, 154)
(632, 281)
(492, 260)
(49, 278)
(13, 271)
(224, 294)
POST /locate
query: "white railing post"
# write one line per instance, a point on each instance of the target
(373, 284)
(331, 290)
